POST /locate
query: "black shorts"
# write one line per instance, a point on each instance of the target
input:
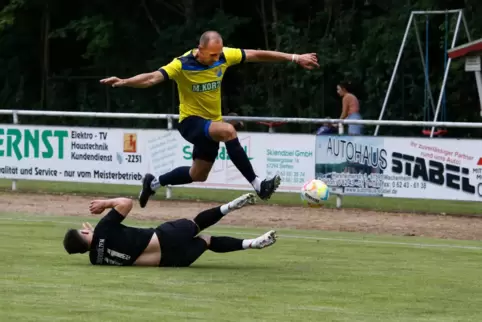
(179, 246)
(195, 130)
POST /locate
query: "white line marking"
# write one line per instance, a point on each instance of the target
(346, 240)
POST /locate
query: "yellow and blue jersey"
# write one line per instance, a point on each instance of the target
(199, 85)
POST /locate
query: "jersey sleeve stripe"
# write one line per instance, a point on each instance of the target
(243, 56)
(164, 73)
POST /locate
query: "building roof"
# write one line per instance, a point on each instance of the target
(466, 49)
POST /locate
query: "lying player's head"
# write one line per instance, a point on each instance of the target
(210, 47)
(77, 241)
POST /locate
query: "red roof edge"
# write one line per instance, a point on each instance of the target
(466, 49)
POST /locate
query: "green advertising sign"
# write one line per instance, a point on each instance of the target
(25, 143)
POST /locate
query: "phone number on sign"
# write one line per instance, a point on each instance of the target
(408, 185)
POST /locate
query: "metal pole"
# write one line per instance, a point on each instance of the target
(478, 80)
(262, 119)
(339, 200)
(15, 121)
(446, 73)
(436, 12)
(169, 187)
(478, 76)
(466, 26)
(339, 196)
(427, 82)
(390, 85)
(168, 192)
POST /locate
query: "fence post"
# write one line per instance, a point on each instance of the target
(169, 187)
(15, 121)
(339, 201)
(339, 196)
(340, 129)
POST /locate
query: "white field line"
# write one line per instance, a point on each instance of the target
(346, 240)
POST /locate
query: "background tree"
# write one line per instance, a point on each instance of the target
(54, 52)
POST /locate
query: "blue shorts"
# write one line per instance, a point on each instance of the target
(195, 130)
(355, 129)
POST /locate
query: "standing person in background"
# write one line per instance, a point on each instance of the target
(350, 107)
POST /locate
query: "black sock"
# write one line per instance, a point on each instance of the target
(177, 176)
(225, 244)
(208, 218)
(240, 159)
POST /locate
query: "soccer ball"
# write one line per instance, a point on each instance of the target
(314, 192)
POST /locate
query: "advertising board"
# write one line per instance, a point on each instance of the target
(123, 156)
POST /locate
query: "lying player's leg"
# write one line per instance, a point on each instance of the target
(185, 254)
(225, 244)
(225, 132)
(209, 217)
(177, 232)
(181, 247)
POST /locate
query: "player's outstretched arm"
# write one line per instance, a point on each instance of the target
(139, 81)
(307, 61)
(122, 205)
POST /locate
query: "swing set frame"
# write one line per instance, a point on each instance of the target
(412, 23)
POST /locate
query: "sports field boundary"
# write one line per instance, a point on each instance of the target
(180, 194)
(236, 231)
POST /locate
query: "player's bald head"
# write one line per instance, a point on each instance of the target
(210, 48)
(210, 37)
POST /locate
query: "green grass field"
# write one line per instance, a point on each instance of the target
(371, 203)
(306, 276)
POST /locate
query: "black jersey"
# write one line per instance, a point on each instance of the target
(116, 244)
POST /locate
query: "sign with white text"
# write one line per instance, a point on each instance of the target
(401, 167)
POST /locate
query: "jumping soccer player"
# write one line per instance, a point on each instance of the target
(198, 74)
(174, 243)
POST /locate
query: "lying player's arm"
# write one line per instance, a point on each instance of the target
(308, 61)
(122, 205)
(139, 81)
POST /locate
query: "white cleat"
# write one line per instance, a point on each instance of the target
(265, 240)
(242, 201)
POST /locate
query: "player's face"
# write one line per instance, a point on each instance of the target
(210, 54)
(340, 90)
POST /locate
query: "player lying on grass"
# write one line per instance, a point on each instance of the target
(174, 243)
(198, 74)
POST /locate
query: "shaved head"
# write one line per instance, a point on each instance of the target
(210, 48)
(210, 37)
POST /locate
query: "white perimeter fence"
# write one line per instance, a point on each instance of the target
(397, 167)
